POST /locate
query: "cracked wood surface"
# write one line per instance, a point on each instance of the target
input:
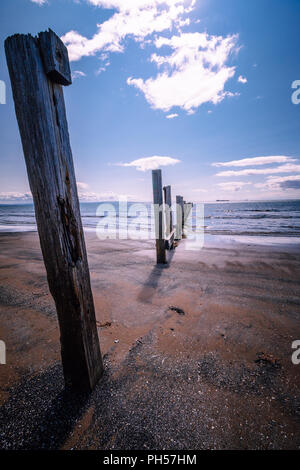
(41, 115)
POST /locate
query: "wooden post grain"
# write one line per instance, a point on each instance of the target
(38, 66)
(168, 203)
(187, 210)
(158, 215)
(188, 206)
(183, 211)
(170, 232)
(179, 217)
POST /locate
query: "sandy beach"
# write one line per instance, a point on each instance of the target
(197, 353)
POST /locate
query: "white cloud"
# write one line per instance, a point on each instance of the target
(172, 116)
(135, 18)
(104, 56)
(151, 163)
(288, 168)
(83, 193)
(280, 183)
(77, 74)
(242, 79)
(281, 179)
(81, 186)
(88, 196)
(39, 2)
(232, 185)
(15, 197)
(256, 161)
(131, 5)
(100, 70)
(195, 73)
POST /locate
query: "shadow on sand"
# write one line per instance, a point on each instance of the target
(151, 283)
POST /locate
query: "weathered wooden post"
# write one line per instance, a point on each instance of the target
(183, 211)
(38, 66)
(169, 217)
(158, 216)
(168, 203)
(179, 217)
(187, 210)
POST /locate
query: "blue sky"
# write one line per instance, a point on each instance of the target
(200, 88)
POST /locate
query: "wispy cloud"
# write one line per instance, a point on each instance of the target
(89, 196)
(85, 195)
(232, 185)
(257, 161)
(78, 74)
(100, 70)
(288, 168)
(151, 163)
(282, 182)
(242, 79)
(15, 197)
(195, 73)
(81, 186)
(39, 2)
(172, 116)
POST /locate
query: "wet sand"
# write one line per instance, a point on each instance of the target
(197, 353)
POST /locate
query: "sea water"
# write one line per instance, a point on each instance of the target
(266, 220)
